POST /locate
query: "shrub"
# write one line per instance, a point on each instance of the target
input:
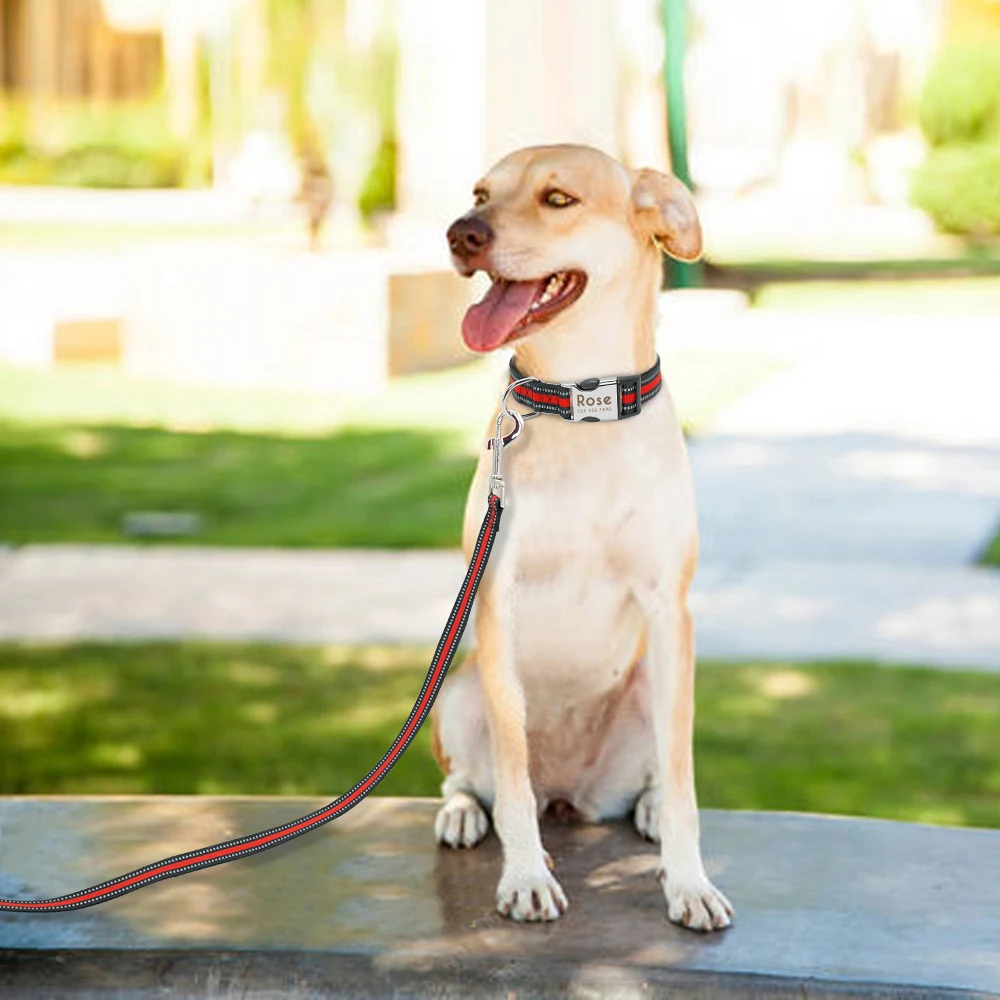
(958, 184)
(119, 146)
(961, 97)
(959, 187)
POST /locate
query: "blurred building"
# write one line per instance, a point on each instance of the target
(107, 51)
(796, 94)
(72, 49)
(805, 110)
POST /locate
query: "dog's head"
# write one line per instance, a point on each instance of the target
(552, 225)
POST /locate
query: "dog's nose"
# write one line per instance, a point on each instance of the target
(469, 236)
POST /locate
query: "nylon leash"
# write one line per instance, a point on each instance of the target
(230, 850)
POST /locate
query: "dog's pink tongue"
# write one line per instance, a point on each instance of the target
(490, 322)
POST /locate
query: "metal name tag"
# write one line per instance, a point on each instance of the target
(594, 399)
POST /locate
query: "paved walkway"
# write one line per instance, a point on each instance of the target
(842, 504)
(800, 610)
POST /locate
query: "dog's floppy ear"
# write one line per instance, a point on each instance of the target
(665, 209)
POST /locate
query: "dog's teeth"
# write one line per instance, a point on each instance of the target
(552, 287)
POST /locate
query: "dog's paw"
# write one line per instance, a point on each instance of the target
(696, 904)
(534, 896)
(461, 821)
(647, 815)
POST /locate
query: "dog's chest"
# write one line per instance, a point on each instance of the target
(597, 506)
(580, 545)
(596, 514)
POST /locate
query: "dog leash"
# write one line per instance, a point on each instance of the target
(230, 850)
(612, 398)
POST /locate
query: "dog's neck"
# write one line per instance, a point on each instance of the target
(613, 333)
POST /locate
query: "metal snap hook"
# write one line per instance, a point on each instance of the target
(517, 418)
(496, 479)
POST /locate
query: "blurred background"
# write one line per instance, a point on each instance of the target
(238, 424)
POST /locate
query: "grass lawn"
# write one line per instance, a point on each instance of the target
(951, 296)
(849, 738)
(354, 487)
(81, 448)
(991, 557)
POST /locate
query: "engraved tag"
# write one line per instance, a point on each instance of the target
(597, 403)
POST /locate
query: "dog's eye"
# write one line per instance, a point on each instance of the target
(558, 199)
(479, 197)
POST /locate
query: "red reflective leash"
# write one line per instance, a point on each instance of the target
(230, 850)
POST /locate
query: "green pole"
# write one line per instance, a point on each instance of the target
(674, 15)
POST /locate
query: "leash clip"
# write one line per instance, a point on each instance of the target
(496, 479)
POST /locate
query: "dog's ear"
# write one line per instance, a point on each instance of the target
(665, 210)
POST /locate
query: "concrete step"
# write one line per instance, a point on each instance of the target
(368, 906)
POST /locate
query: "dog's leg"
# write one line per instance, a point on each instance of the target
(527, 890)
(461, 744)
(646, 816)
(692, 900)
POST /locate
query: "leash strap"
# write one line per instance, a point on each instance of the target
(230, 850)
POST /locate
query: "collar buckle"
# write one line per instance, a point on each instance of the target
(594, 399)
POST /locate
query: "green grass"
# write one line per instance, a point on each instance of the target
(848, 738)
(945, 297)
(991, 557)
(98, 394)
(352, 487)
(81, 448)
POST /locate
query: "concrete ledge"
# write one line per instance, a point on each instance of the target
(369, 907)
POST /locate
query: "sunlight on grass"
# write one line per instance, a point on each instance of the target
(375, 657)
(115, 755)
(947, 297)
(84, 444)
(253, 674)
(32, 704)
(939, 815)
(385, 488)
(99, 394)
(703, 382)
(784, 684)
(363, 716)
(849, 738)
(83, 448)
(260, 713)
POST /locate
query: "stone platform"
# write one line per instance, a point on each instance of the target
(368, 906)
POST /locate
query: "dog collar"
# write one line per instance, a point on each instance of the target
(612, 397)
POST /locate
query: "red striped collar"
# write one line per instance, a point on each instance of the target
(611, 397)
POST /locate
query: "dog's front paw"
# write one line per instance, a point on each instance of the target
(534, 896)
(647, 815)
(461, 821)
(696, 903)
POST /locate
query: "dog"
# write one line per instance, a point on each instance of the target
(580, 687)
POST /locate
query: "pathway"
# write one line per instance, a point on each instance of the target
(842, 503)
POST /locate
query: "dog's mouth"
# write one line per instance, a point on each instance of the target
(510, 308)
